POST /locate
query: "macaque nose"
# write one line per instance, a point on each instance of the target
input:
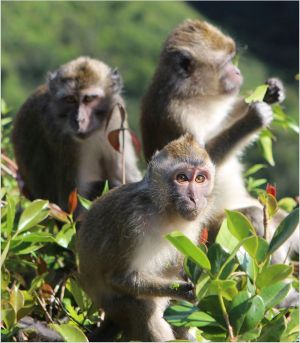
(237, 71)
(193, 198)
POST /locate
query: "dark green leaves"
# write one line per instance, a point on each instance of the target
(284, 230)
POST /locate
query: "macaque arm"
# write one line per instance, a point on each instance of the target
(137, 284)
(238, 135)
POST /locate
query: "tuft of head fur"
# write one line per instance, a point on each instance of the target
(79, 74)
(199, 35)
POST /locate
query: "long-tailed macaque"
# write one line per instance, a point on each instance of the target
(195, 89)
(125, 264)
(59, 136)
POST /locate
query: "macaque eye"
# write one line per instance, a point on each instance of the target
(70, 99)
(200, 178)
(89, 98)
(181, 178)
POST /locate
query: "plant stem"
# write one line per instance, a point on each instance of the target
(226, 317)
(266, 233)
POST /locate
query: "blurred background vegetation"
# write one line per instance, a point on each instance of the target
(39, 36)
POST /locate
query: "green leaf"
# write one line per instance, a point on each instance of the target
(65, 235)
(273, 294)
(202, 286)
(217, 257)
(41, 237)
(16, 299)
(177, 314)
(248, 264)
(271, 204)
(189, 249)
(272, 274)
(28, 307)
(77, 293)
(262, 250)
(254, 315)
(84, 202)
(226, 288)
(258, 94)
(5, 279)
(225, 238)
(5, 252)
(287, 204)
(106, 188)
(265, 144)
(254, 169)
(28, 249)
(273, 330)
(239, 307)
(200, 319)
(250, 335)
(240, 226)
(284, 230)
(293, 321)
(33, 214)
(70, 333)
(10, 215)
(8, 314)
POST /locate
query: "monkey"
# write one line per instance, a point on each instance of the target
(60, 135)
(195, 89)
(135, 270)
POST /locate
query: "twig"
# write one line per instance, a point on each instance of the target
(266, 221)
(8, 171)
(43, 307)
(226, 317)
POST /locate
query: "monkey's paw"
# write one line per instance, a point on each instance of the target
(263, 112)
(275, 92)
(187, 291)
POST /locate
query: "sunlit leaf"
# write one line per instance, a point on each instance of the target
(65, 235)
(8, 314)
(258, 94)
(84, 202)
(227, 288)
(284, 230)
(33, 214)
(265, 143)
(106, 188)
(273, 273)
(274, 293)
(188, 248)
(16, 299)
(70, 333)
(225, 238)
(254, 169)
(287, 204)
(77, 293)
(10, 215)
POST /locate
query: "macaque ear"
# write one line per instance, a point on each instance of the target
(52, 81)
(117, 82)
(183, 62)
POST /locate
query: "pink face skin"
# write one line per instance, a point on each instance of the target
(231, 78)
(89, 99)
(193, 185)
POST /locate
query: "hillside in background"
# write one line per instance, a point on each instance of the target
(39, 36)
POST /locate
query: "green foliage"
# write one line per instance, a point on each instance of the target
(238, 305)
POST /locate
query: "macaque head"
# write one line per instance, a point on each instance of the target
(198, 59)
(182, 178)
(83, 92)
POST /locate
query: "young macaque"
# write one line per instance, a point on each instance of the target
(195, 89)
(125, 264)
(60, 135)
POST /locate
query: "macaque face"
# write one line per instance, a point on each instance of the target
(230, 78)
(191, 187)
(84, 111)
